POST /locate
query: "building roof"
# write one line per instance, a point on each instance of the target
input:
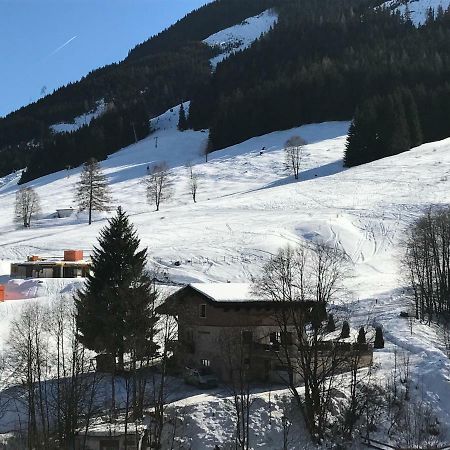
(227, 292)
(224, 295)
(52, 262)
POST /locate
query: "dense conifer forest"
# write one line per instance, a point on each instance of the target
(323, 60)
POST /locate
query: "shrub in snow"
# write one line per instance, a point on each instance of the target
(379, 340)
(331, 326)
(361, 336)
(345, 333)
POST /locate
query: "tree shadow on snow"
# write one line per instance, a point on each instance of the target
(316, 172)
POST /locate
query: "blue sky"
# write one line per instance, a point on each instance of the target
(33, 34)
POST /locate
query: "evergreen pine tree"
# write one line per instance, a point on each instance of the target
(331, 326)
(115, 308)
(379, 339)
(361, 336)
(92, 192)
(394, 132)
(182, 121)
(345, 332)
(362, 141)
(412, 119)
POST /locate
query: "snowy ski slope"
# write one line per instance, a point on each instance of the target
(248, 206)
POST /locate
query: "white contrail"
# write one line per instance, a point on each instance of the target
(61, 47)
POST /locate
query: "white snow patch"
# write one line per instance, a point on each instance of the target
(418, 9)
(241, 36)
(80, 121)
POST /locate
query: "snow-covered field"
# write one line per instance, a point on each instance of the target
(248, 206)
(241, 36)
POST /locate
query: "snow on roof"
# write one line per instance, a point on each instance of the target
(227, 292)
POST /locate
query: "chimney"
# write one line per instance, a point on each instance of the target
(73, 255)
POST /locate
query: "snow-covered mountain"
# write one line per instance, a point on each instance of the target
(248, 207)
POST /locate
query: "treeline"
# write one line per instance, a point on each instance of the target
(319, 63)
(135, 94)
(385, 125)
(322, 61)
(158, 74)
(200, 24)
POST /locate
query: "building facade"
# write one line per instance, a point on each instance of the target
(73, 265)
(224, 326)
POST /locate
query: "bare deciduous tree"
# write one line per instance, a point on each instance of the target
(92, 191)
(293, 154)
(193, 182)
(158, 184)
(28, 358)
(27, 205)
(48, 374)
(207, 149)
(412, 422)
(427, 260)
(161, 384)
(237, 358)
(312, 274)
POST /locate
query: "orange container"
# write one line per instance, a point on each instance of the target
(34, 258)
(73, 255)
(2, 293)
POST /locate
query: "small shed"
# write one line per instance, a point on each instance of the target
(64, 212)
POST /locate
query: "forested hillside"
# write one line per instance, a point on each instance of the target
(158, 74)
(323, 60)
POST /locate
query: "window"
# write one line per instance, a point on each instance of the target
(203, 311)
(205, 362)
(274, 337)
(247, 337)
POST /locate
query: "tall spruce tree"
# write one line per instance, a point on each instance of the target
(115, 308)
(394, 129)
(92, 192)
(182, 121)
(412, 118)
(363, 137)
